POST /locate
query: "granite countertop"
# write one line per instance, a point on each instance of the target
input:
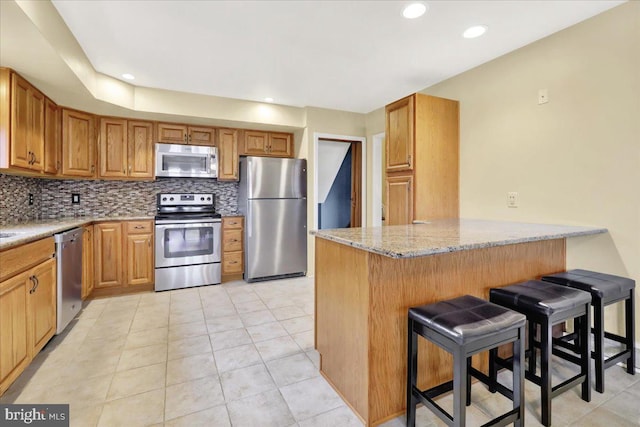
(448, 235)
(26, 232)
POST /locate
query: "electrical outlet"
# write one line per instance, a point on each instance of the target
(75, 198)
(543, 96)
(512, 199)
(30, 199)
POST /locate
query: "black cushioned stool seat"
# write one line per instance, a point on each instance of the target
(465, 326)
(605, 289)
(546, 304)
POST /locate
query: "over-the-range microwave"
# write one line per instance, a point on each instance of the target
(186, 161)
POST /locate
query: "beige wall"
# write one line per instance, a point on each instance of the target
(375, 124)
(575, 160)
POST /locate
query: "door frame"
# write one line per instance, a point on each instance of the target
(341, 138)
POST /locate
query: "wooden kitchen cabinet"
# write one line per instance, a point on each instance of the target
(270, 144)
(52, 163)
(173, 133)
(125, 148)
(139, 253)
(400, 191)
(78, 144)
(123, 257)
(107, 255)
(87, 261)
(422, 139)
(27, 305)
(228, 158)
(232, 248)
(21, 124)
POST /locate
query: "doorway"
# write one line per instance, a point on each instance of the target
(340, 179)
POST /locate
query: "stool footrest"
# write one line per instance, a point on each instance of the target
(566, 356)
(623, 355)
(426, 398)
(505, 419)
(614, 337)
(567, 384)
(487, 380)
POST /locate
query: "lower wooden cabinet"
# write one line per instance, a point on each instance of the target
(27, 306)
(123, 256)
(232, 248)
(87, 261)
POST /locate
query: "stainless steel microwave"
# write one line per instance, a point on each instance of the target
(186, 161)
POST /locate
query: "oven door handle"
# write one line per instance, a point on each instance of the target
(162, 227)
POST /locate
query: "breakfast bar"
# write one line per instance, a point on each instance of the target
(367, 278)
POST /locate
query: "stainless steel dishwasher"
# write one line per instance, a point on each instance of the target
(69, 268)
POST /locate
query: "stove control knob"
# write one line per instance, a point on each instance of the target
(201, 198)
(171, 199)
(164, 199)
(209, 198)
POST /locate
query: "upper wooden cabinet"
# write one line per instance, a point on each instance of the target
(399, 133)
(422, 159)
(52, 163)
(125, 148)
(183, 134)
(21, 123)
(78, 144)
(257, 143)
(228, 155)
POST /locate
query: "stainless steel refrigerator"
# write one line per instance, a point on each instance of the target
(273, 198)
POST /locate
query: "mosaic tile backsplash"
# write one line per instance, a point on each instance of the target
(52, 198)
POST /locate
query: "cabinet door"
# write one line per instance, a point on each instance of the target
(139, 255)
(42, 304)
(399, 200)
(400, 135)
(228, 155)
(140, 141)
(87, 261)
(172, 133)
(36, 129)
(255, 143)
(20, 124)
(202, 136)
(232, 263)
(107, 255)
(232, 240)
(78, 144)
(280, 145)
(14, 346)
(51, 137)
(113, 148)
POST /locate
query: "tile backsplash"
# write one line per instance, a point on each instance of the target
(52, 198)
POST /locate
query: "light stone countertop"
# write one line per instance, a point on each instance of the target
(26, 232)
(448, 235)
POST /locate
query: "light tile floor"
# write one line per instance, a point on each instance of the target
(239, 354)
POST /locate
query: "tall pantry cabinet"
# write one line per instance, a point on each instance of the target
(422, 166)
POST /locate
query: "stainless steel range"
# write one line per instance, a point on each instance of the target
(188, 241)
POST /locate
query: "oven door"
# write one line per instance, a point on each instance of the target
(188, 244)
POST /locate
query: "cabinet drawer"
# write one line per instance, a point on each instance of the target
(232, 240)
(232, 263)
(15, 260)
(138, 227)
(232, 222)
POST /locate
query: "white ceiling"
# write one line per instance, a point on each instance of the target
(344, 55)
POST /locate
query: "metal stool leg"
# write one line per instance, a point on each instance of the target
(598, 342)
(468, 381)
(460, 377)
(493, 367)
(518, 376)
(412, 370)
(585, 366)
(545, 372)
(532, 348)
(629, 314)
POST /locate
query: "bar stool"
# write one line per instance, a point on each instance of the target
(605, 289)
(465, 326)
(546, 304)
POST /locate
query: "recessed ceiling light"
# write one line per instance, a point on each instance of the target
(268, 99)
(414, 10)
(475, 31)
(128, 76)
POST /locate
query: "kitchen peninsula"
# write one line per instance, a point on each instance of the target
(367, 278)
